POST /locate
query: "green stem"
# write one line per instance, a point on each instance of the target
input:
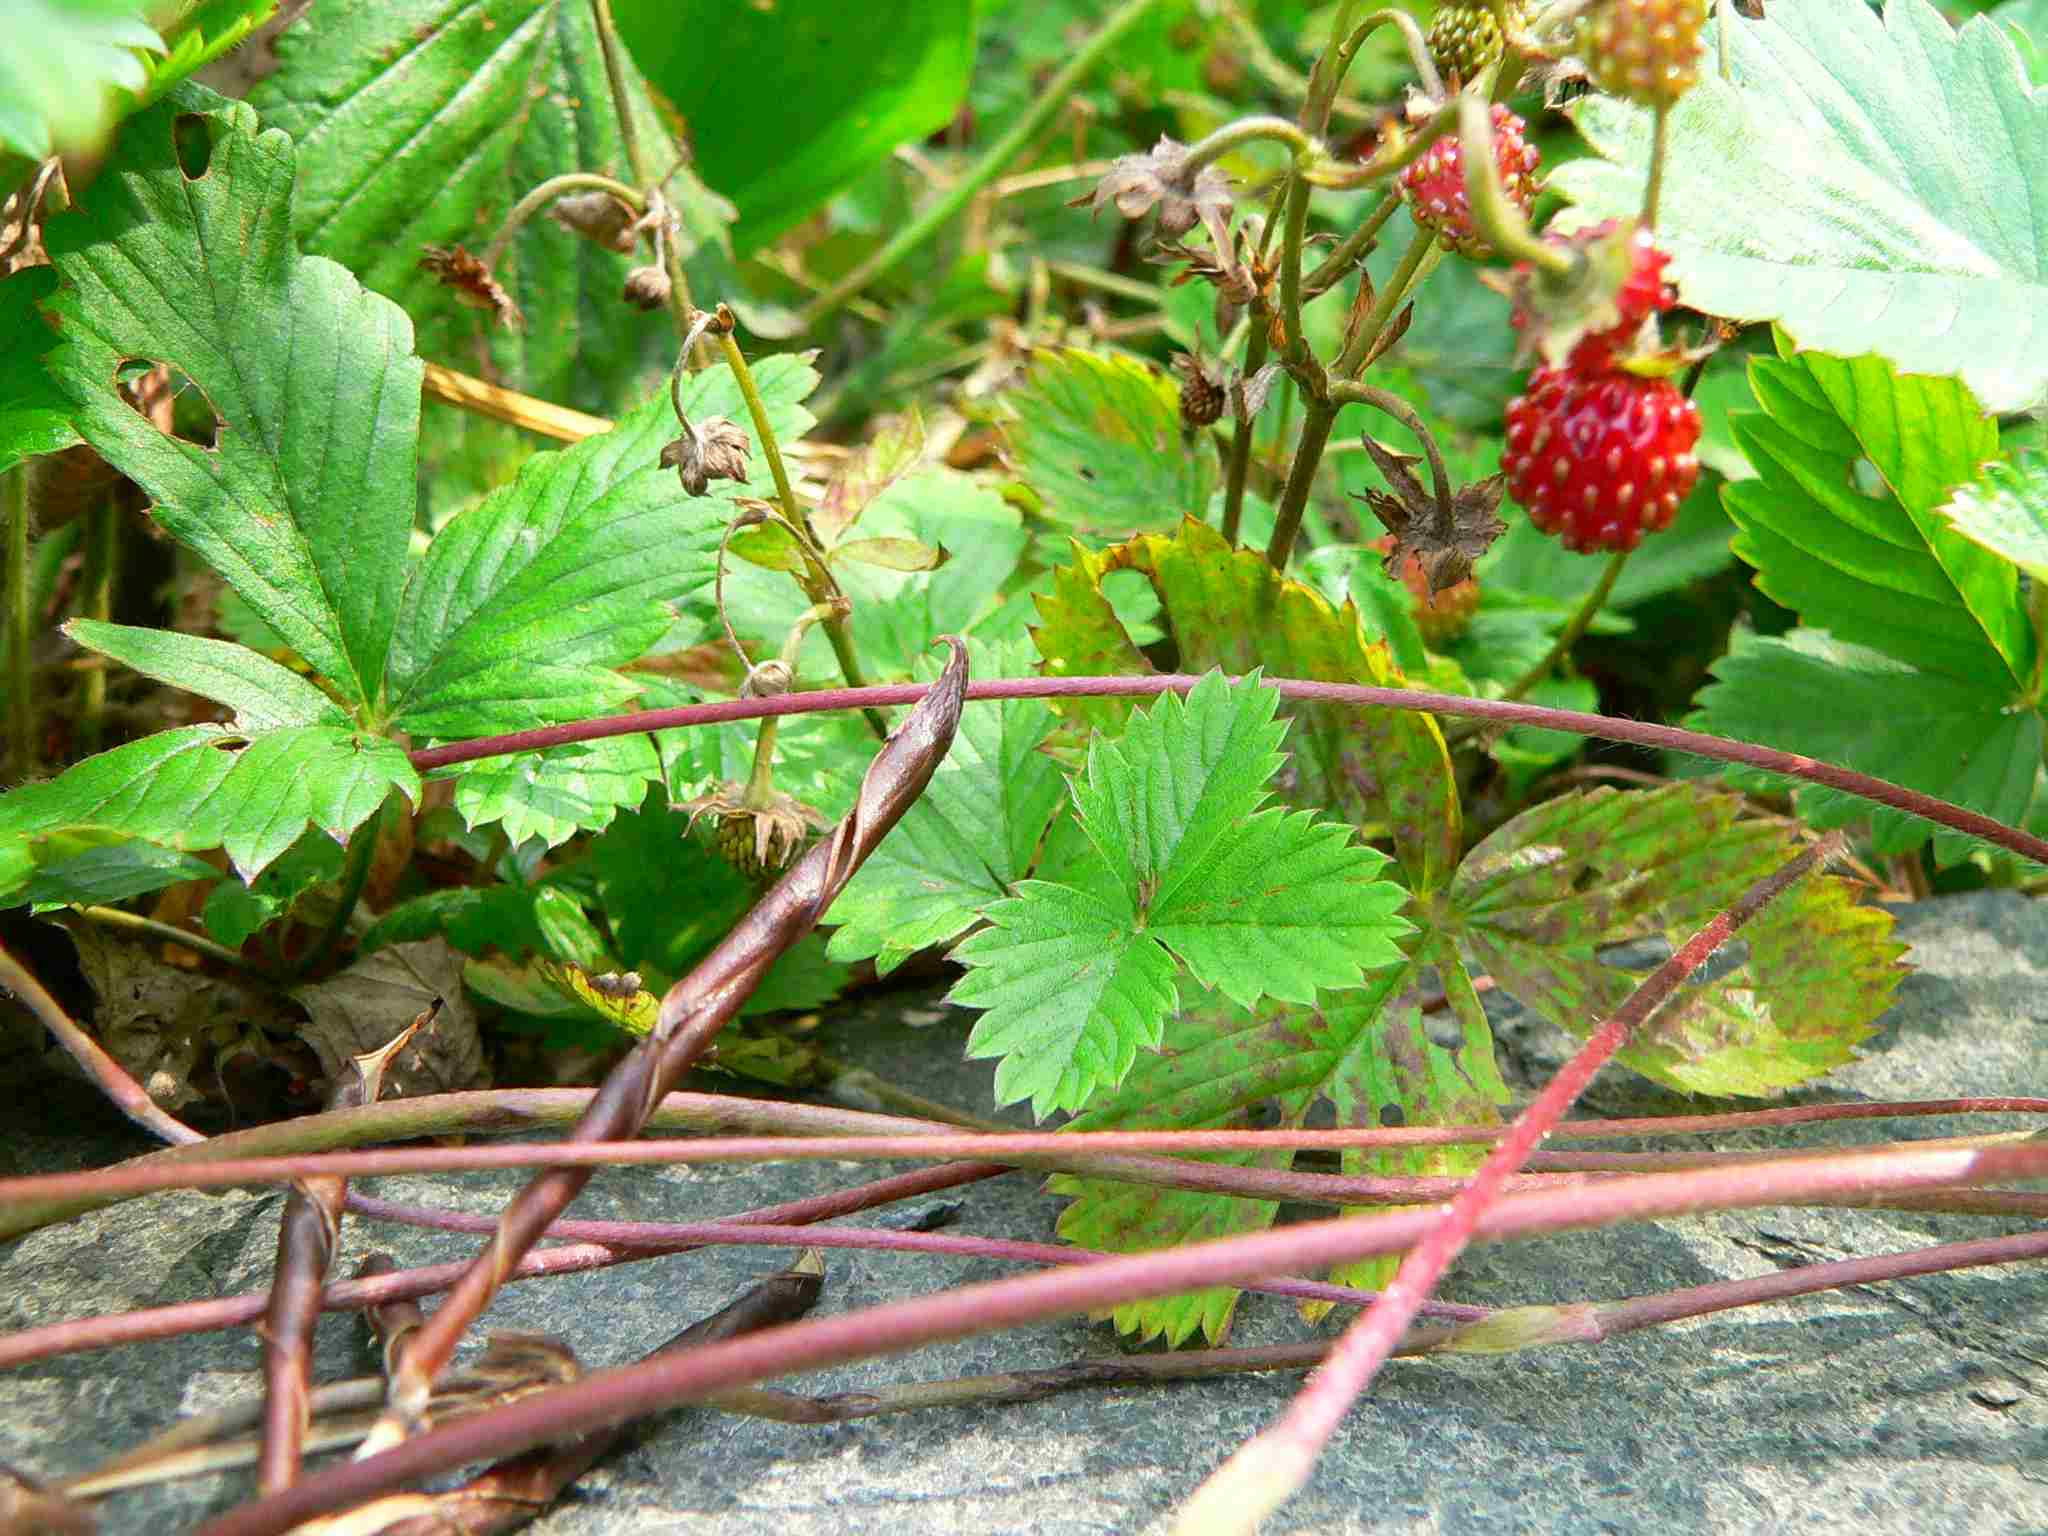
(838, 629)
(1327, 77)
(1317, 419)
(546, 193)
(991, 165)
(21, 699)
(354, 875)
(1291, 241)
(1347, 391)
(1660, 135)
(1411, 35)
(1594, 601)
(1388, 304)
(102, 553)
(1248, 130)
(1241, 444)
(760, 790)
(680, 309)
(1352, 247)
(149, 928)
(1499, 220)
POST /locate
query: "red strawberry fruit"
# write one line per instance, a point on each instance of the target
(1435, 184)
(1598, 457)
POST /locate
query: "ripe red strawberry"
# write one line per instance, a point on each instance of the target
(1645, 50)
(1599, 457)
(1435, 184)
(1441, 617)
(1643, 292)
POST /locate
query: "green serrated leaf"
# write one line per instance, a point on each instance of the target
(578, 566)
(35, 415)
(207, 31)
(421, 122)
(65, 63)
(235, 911)
(305, 503)
(1364, 1058)
(263, 695)
(1099, 439)
(971, 836)
(1077, 976)
(868, 78)
(205, 786)
(1382, 770)
(555, 794)
(566, 932)
(2005, 510)
(1876, 567)
(1541, 902)
(1861, 177)
(1807, 692)
(87, 866)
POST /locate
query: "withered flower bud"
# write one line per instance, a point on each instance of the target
(647, 287)
(599, 218)
(716, 450)
(1136, 183)
(1202, 390)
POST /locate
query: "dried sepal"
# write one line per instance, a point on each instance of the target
(600, 218)
(716, 449)
(1161, 178)
(471, 282)
(760, 841)
(1556, 312)
(1445, 555)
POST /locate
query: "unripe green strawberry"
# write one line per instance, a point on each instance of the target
(1465, 38)
(1647, 51)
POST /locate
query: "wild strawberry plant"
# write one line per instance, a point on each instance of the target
(1251, 412)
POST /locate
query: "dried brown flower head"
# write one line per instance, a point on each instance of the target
(1443, 552)
(713, 450)
(647, 287)
(1135, 184)
(471, 282)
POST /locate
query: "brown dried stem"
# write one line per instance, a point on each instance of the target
(308, 1237)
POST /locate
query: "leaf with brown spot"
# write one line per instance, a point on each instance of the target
(1543, 902)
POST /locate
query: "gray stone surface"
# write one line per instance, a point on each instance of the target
(1918, 1407)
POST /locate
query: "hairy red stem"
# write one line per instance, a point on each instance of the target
(1605, 727)
(1065, 1151)
(1272, 1466)
(611, 1396)
(371, 1290)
